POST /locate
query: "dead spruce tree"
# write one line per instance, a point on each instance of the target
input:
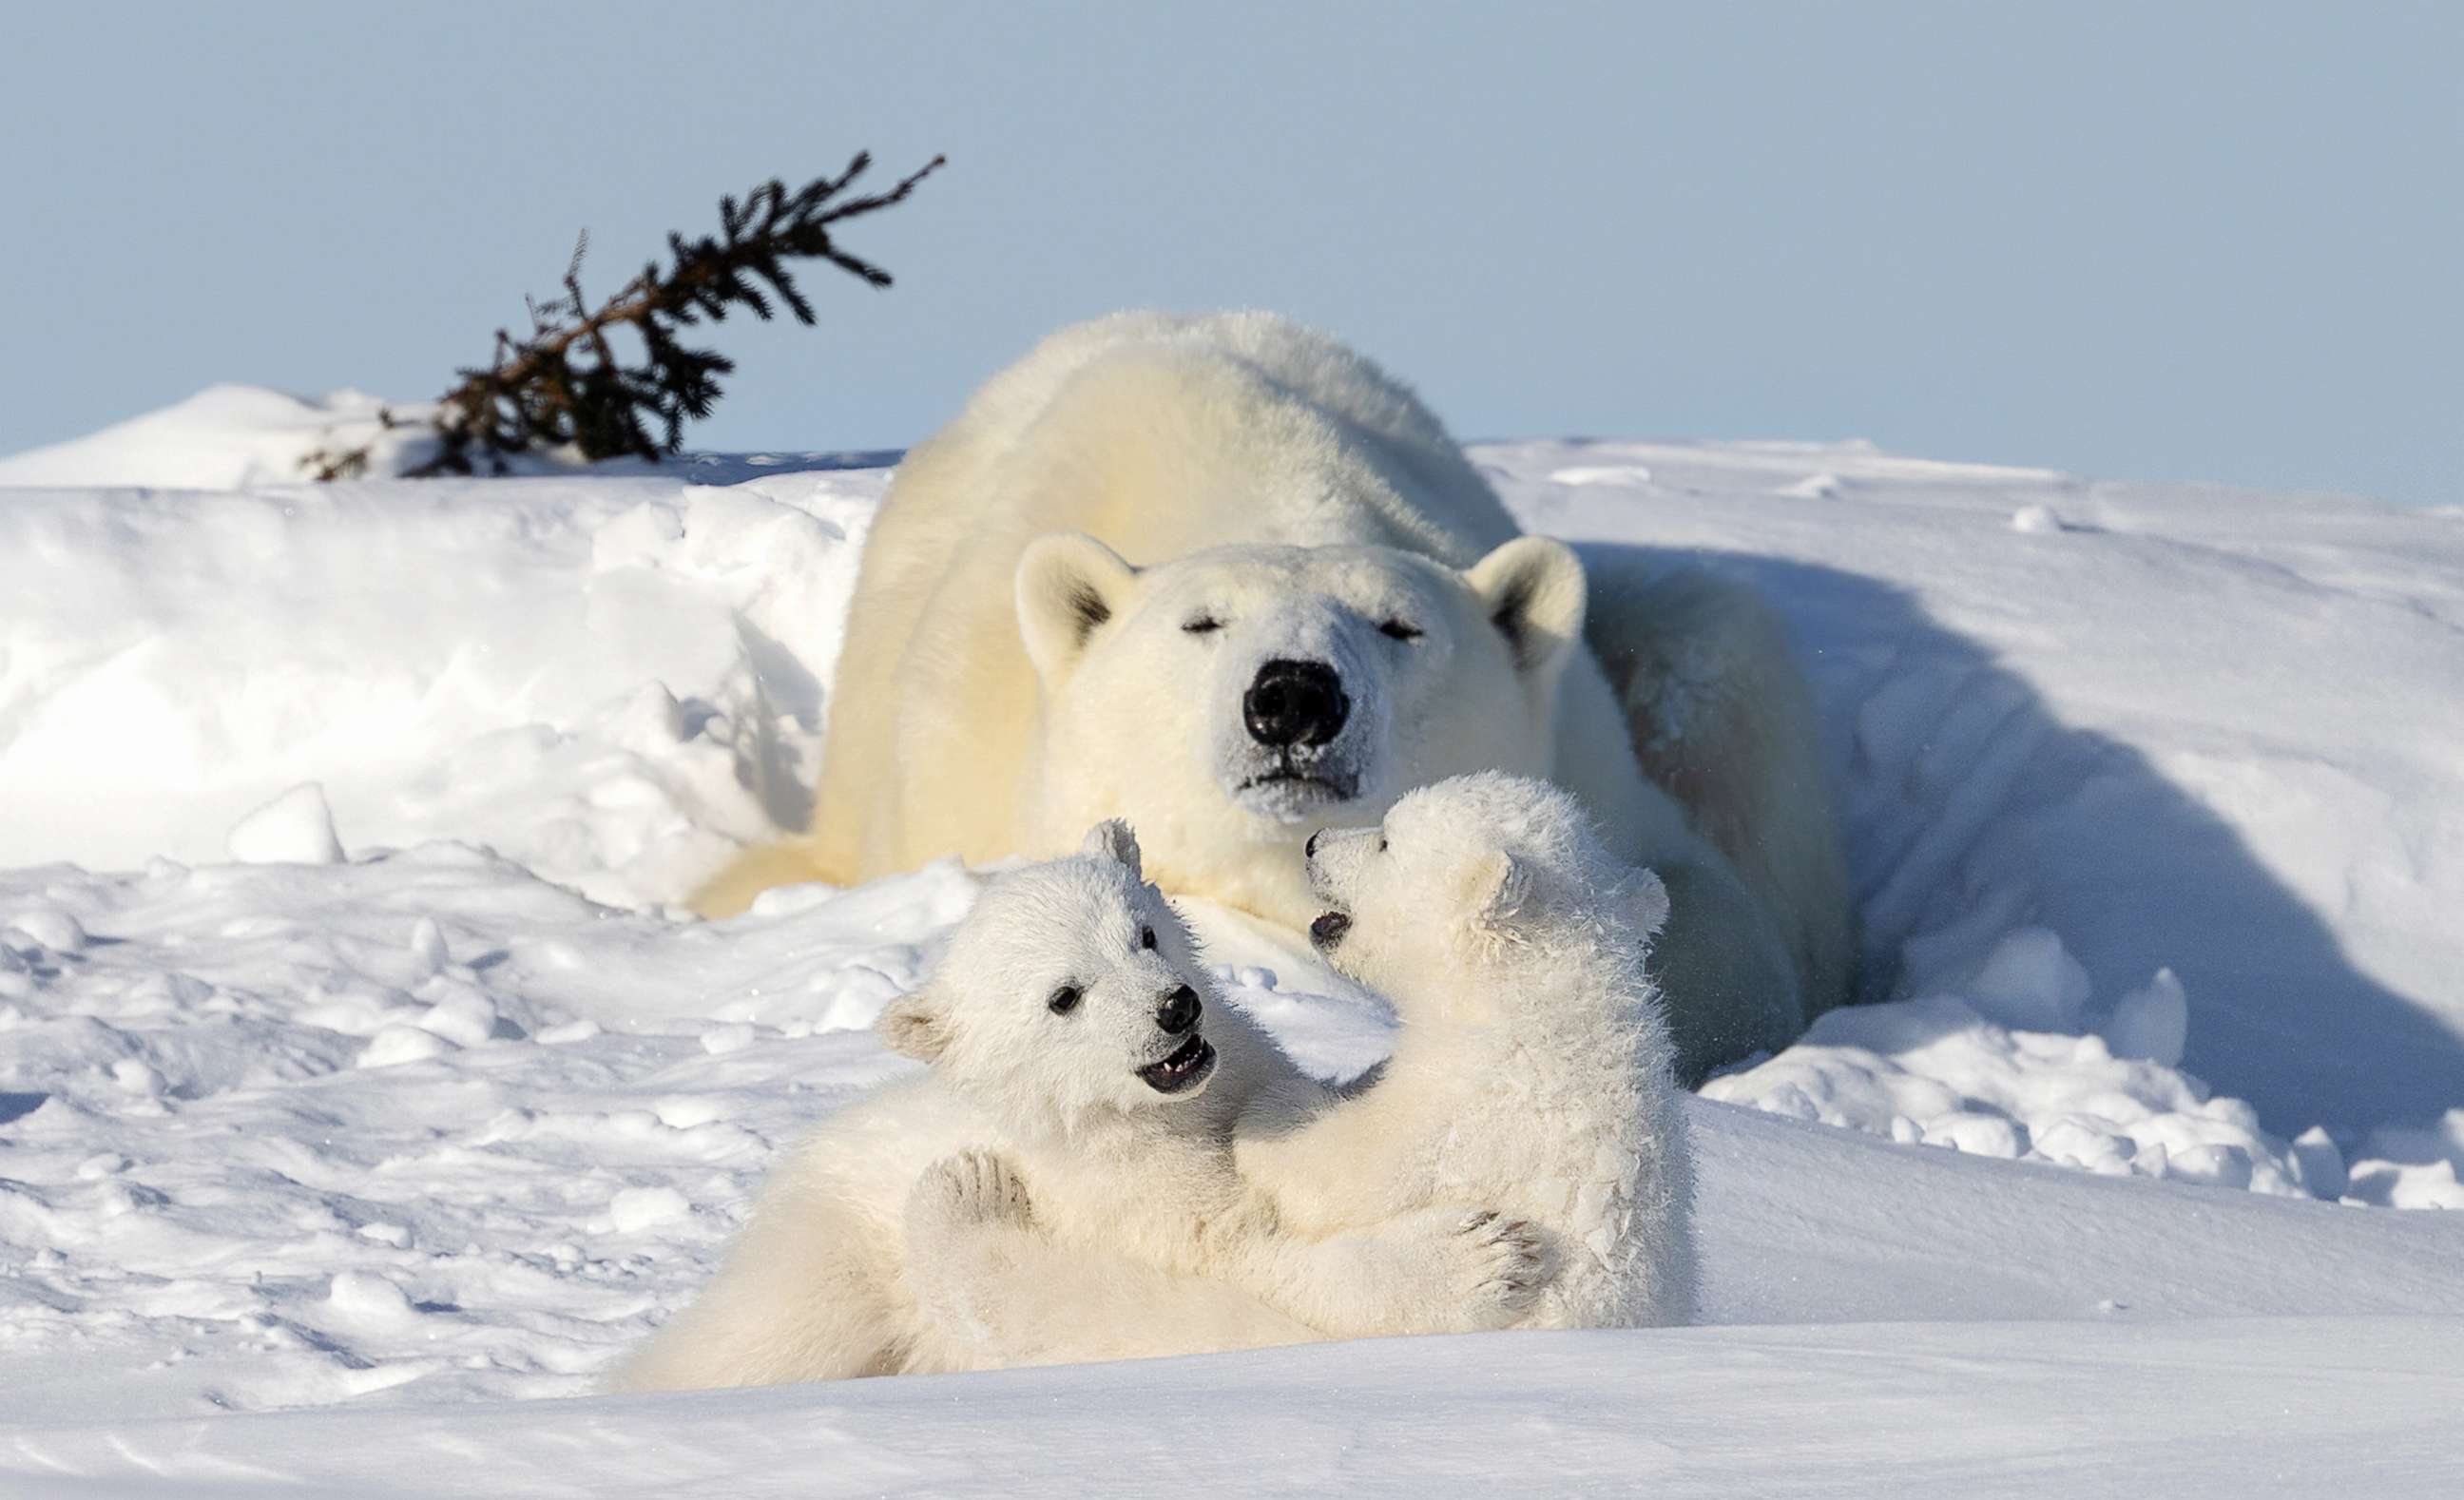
(568, 387)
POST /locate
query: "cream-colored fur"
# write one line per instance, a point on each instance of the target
(1532, 1070)
(1721, 719)
(1534, 1067)
(1064, 984)
(1022, 659)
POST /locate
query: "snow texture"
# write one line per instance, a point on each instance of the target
(351, 1052)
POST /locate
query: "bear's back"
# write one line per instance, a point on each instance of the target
(1161, 434)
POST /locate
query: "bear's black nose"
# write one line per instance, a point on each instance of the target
(1294, 703)
(1179, 1011)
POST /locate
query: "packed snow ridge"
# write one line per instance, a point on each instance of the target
(349, 1040)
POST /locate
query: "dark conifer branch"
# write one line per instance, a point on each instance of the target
(567, 385)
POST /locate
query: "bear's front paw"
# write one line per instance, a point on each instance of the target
(1502, 1265)
(974, 1189)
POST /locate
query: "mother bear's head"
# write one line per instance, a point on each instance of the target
(1241, 697)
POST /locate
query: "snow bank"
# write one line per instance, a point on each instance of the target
(2176, 729)
(424, 1124)
(224, 437)
(2154, 808)
(313, 1131)
(1905, 1411)
(2129, 826)
(612, 680)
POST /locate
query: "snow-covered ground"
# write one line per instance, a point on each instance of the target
(2156, 801)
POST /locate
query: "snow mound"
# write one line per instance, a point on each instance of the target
(615, 681)
(2197, 741)
(347, 1128)
(2138, 859)
(1924, 1411)
(295, 829)
(2153, 806)
(228, 436)
(424, 1126)
(232, 437)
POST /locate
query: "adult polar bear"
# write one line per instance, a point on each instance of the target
(1329, 607)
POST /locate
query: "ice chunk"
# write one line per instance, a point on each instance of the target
(1977, 1135)
(364, 1300)
(2223, 1166)
(2152, 1022)
(2029, 982)
(685, 1113)
(732, 1037)
(294, 828)
(637, 1208)
(2322, 1166)
(2433, 1187)
(466, 1017)
(137, 1076)
(50, 926)
(399, 1044)
(427, 945)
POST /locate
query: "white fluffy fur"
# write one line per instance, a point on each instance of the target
(1533, 1068)
(1034, 1160)
(1018, 662)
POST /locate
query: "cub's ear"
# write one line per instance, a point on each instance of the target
(1531, 589)
(1067, 586)
(1500, 885)
(1112, 839)
(1649, 898)
(912, 1026)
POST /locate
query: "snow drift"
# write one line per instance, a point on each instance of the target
(349, 1049)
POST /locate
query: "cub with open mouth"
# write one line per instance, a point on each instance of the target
(1060, 1185)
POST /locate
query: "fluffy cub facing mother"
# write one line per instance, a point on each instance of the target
(1101, 1166)
(1534, 1068)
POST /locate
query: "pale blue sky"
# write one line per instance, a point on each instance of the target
(2147, 240)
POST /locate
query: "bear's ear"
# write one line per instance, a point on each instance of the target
(1112, 839)
(1067, 586)
(1531, 589)
(912, 1026)
(1501, 885)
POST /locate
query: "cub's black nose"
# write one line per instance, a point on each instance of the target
(1329, 930)
(1179, 1011)
(1294, 703)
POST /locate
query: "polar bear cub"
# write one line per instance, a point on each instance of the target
(1534, 1068)
(1077, 1065)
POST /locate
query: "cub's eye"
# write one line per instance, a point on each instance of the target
(1146, 937)
(1203, 625)
(1401, 631)
(1381, 843)
(1065, 1000)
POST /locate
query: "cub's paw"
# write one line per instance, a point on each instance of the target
(972, 1190)
(1501, 1266)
